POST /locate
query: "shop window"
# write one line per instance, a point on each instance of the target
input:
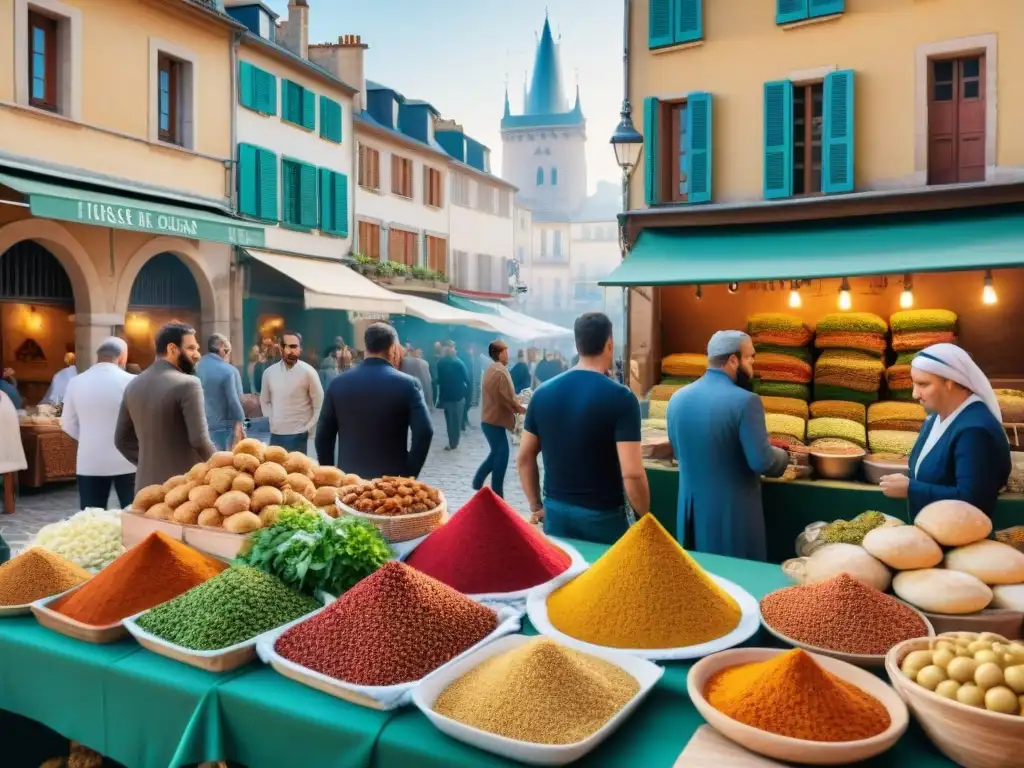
(43, 61)
(299, 187)
(677, 149)
(369, 240)
(401, 176)
(369, 168)
(956, 120)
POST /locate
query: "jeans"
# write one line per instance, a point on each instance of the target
(94, 490)
(496, 462)
(454, 410)
(223, 439)
(569, 521)
(299, 442)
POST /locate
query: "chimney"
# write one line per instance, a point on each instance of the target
(345, 60)
(293, 34)
(441, 124)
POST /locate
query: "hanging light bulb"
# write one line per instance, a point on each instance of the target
(907, 295)
(988, 293)
(794, 295)
(845, 299)
(700, 293)
(733, 287)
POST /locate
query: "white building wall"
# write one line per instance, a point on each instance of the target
(481, 229)
(288, 140)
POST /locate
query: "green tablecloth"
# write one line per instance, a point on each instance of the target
(789, 507)
(146, 711)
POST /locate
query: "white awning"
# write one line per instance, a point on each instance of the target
(445, 314)
(332, 285)
(541, 328)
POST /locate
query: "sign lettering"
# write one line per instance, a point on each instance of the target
(355, 316)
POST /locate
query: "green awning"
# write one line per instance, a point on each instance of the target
(865, 246)
(469, 305)
(50, 200)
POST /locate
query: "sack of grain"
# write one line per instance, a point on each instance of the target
(864, 342)
(788, 405)
(782, 389)
(902, 417)
(856, 322)
(843, 429)
(684, 364)
(829, 392)
(775, 367)
(838, 409)
(891, 441)
(918, 340)
(848, 369)
(778, 328)
(784, 424)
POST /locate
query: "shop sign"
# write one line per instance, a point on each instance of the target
(166, 220)
(355, 316)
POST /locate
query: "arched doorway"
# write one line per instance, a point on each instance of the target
(164, 291)
(37, 316)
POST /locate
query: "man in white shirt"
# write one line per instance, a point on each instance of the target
(291, 396)
(91, 404)
(59, 385)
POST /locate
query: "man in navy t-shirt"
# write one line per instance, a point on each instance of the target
(587, 428)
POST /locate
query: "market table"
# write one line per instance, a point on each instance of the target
(790, 506)
(146, 711)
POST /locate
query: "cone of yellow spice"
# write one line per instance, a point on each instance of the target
(644, 593)
(790, 695)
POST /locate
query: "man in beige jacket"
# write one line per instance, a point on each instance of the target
(161, 427)
(498, 411)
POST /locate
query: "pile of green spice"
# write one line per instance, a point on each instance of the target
(232, 607)
(852, 531)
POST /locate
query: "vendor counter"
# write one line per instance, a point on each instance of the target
(790, 506)
(146, 711)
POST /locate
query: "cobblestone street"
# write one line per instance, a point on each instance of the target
(451, 471)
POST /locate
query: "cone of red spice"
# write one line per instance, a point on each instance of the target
(395, 626)
(157, 570)
(487, 548)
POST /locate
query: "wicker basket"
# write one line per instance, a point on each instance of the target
(396, 528)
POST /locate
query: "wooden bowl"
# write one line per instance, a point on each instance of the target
(58, 622)
(970, 737)
(785, 748)
(866, 660)
(1002, 621)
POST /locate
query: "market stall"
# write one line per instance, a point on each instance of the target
(50, 452)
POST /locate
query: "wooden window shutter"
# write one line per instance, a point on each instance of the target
(778, 139)
(698, 146)
(826, 7)
(787, 11)
(375, 169)
(308, 213)
(362, 172)
(246, 84)
(396, 175)
(659, 31)
(308, 109)
(268, 185)
(837, 170)
(248, 194)
(340, 195)
(689, 21)
(326, 200)
(652, 108)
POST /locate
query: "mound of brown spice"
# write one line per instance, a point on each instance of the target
(37, 573)
(395, 626)
(790, 695)
(841, 614)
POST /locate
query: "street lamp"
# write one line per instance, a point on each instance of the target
(628, 144)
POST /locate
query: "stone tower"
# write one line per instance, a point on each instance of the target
(543, 149)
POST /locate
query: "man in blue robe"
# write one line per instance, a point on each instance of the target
(717, 429)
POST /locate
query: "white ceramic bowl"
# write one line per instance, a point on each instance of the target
(432, 686)
(785, 748)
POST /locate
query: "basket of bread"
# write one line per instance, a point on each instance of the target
(401, 508)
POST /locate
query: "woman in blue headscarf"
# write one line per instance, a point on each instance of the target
(962, 452)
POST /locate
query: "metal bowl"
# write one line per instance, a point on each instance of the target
(874, 471)
(831, 466)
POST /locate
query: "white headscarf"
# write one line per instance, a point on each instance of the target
(951, 362)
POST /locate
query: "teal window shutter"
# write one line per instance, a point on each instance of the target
(652, 108)
(659, 28)
(246, 84)
(290, 194)
(286, 101)
(330, 119)
(698, 146)
(266, 93)
(341, 204)
(837, 133)
(689, 21)
(267, 185)
(326, 200)
(778, 139)
(248, 203)
(825, 7)
(271, 94)
(787, 11)
(308, 209)
(308, 109)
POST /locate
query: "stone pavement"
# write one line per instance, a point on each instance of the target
(451, 471)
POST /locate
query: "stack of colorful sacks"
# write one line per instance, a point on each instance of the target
(844, 374)
(912, 331)
(677, 371)
(783, 363)
(785, 428)
(893, 427)
(861, 331)
(837, 420)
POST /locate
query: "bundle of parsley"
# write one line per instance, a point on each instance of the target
(313, 553)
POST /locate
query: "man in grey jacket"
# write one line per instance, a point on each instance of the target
(414, 365)
(222, 392)
(161, 427)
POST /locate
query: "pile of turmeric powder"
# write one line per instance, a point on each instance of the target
(790, 695)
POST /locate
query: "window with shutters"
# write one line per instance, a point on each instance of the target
(257, 89)
(401, 176)
(437, 254)
(808, 121)
(460, 189)
(298, 105)
(369, 168)
(333, 202)
(43, 62)
(369, 239)
(790, 11)
(433, 187)
(674, 22)
(299, 204)
(330, 120)
(402, 247)
(257, 182)
(678, 141)
(956, 120)
(168, 99)
(485, 195)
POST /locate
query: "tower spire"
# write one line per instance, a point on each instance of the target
(546, 94)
